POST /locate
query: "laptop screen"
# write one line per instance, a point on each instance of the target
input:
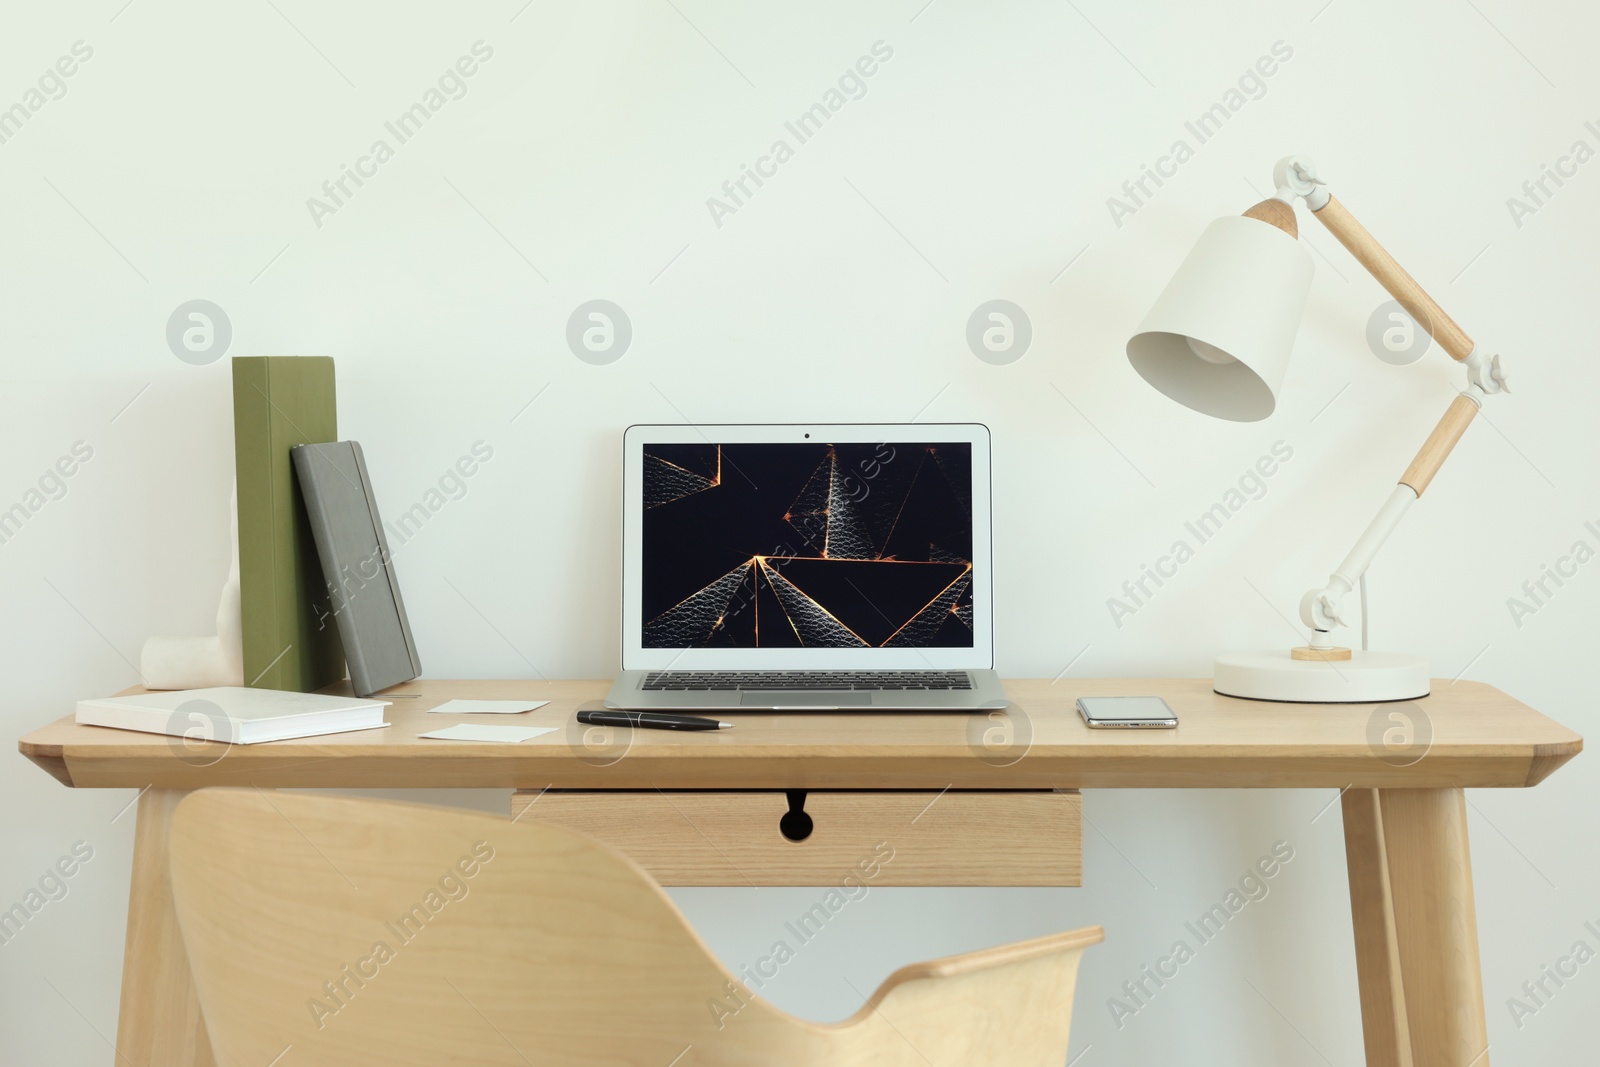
(807, 545)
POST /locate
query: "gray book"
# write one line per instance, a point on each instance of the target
(364, 597)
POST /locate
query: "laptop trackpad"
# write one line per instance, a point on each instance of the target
(783, 698)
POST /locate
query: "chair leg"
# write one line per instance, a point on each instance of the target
(159, 1022)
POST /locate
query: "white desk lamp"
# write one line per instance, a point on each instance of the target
(1218, 340)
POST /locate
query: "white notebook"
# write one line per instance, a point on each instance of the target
(236, 715)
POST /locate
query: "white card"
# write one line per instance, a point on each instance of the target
(467, 731)
(492, 707)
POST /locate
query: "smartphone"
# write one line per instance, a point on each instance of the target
(1126, 713)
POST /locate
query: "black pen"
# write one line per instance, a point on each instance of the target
(651, 720)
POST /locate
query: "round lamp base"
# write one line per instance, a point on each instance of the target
(1364, 678)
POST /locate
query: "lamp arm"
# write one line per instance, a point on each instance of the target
(1321, 609)
(1393, 277)
(1296, 176)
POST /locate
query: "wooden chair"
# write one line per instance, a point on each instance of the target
(365, 932)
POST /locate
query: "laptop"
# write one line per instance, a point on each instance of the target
(807, 568)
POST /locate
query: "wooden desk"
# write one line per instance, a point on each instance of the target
(1404, 815)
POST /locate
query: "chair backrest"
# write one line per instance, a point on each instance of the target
(367, 932)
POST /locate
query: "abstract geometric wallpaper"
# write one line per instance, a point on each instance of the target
(807, 546)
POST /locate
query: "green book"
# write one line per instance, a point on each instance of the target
(291, 640)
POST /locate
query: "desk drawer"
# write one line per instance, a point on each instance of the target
(958, 837)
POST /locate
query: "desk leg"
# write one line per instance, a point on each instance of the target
(159, 1022)
(1383, 1001)
(1415, 927)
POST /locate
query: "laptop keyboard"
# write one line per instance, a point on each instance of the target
(821, 681)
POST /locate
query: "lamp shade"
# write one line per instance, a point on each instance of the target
(1219, 337)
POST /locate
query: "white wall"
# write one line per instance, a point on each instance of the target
(977, 166)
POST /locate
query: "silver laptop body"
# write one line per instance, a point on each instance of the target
(807, 568)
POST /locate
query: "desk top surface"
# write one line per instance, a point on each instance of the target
(1466, 734)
